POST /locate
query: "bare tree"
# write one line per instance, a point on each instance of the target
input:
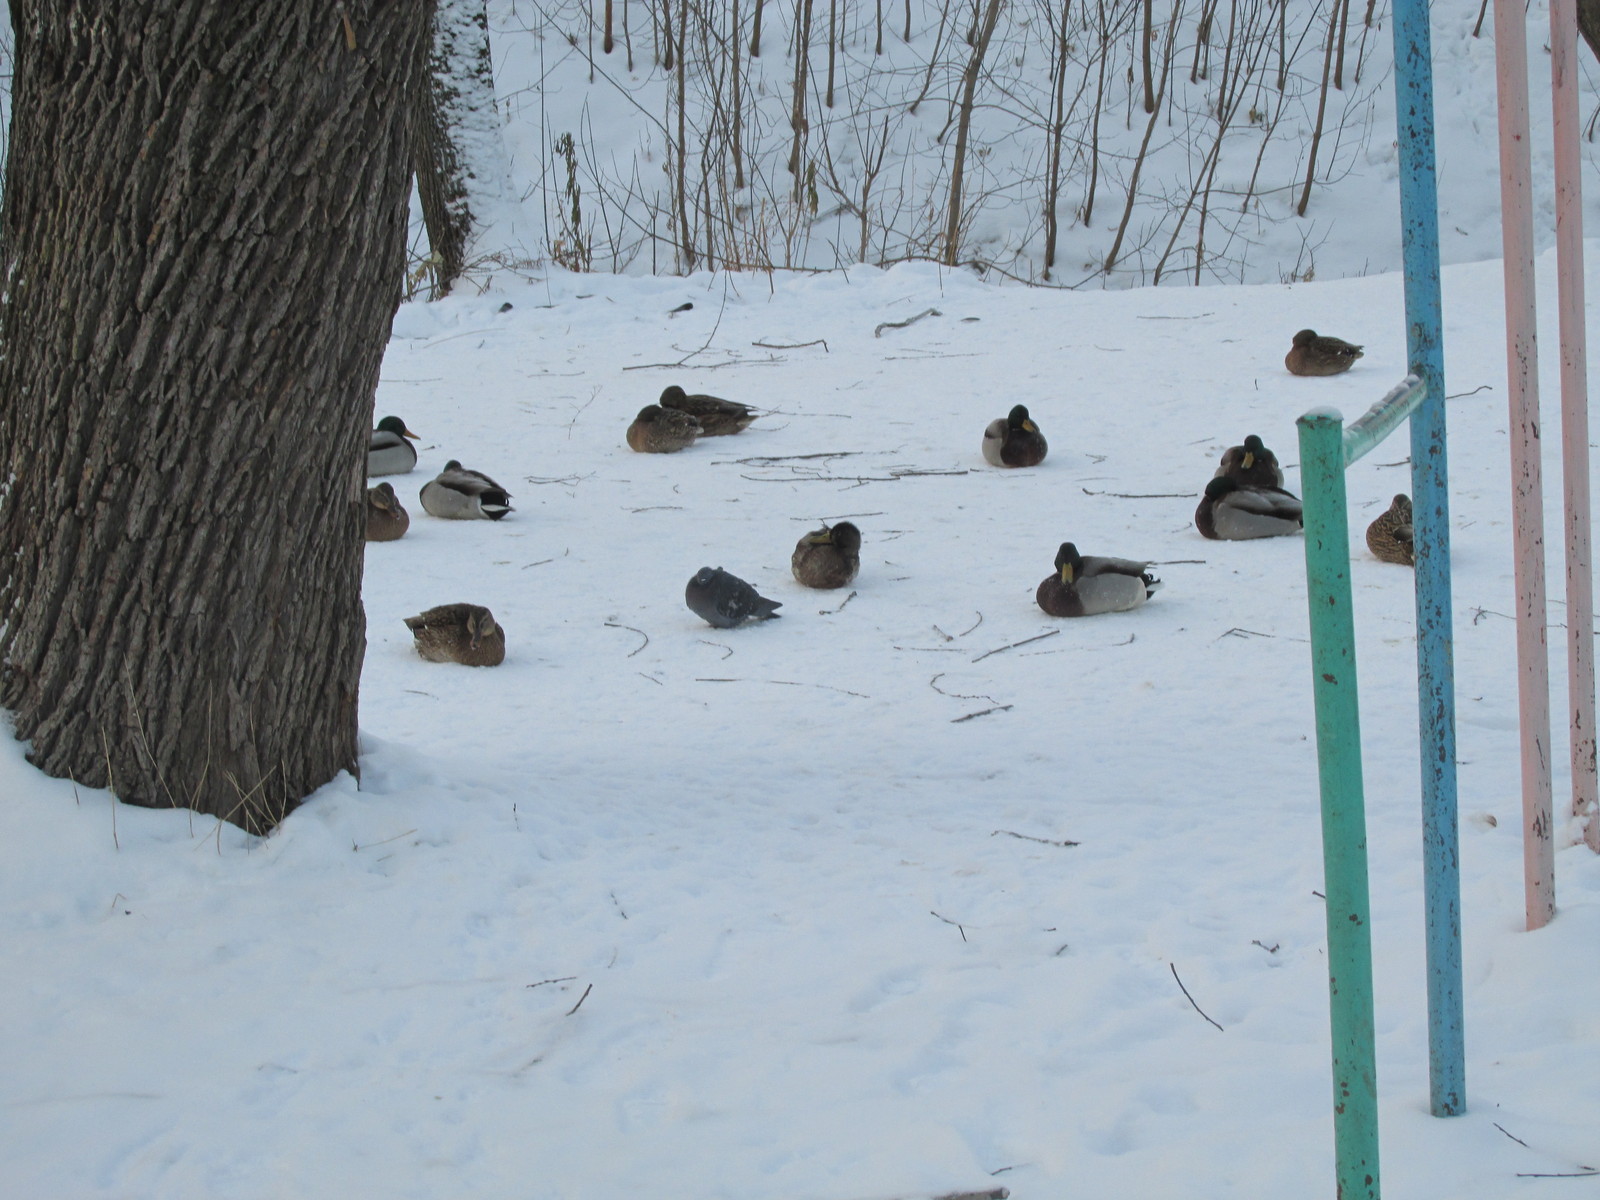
(459, 163)
(833, 49)
(802, 74)
(1322, 109)
(201, 281)
(1144, 145)
(969, 87)
(1060, 54)
(1146, 35)
(755, 32)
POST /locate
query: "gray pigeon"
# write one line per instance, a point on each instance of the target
(726, 600)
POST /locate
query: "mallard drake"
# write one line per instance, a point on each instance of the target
(1251, 463)
(1390, 536)
(461, 633)
(389, 449)
(1085, 587)
(717, 417)
(1232, 511)
(658, 430)
(828, 557)
(1313, 354)
(725, 600)
(387, 518)
(459, 494)
(1014, 441)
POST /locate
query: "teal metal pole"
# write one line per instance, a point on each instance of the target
(1344, 823)
(1436, 686)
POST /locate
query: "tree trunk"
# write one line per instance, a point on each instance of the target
(455, 115)
(969, 87)
(458, 159)
(1589, 24)
(1146, 35)
(201, 280)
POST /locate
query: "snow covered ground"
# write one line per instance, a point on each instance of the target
(658, 910)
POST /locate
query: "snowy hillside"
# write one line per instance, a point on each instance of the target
(1223, 175)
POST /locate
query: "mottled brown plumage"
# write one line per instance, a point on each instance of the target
(1390, 536)
(717, 417)
(658, 430)
(1314, 354)
(387, 518)
(460, 633)
(828, 557)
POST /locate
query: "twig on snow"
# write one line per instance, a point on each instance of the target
(828, 612)
(765, 460)
(934, 684)
(823, 342)
(581, 999)
(1028, 837)
(594, 394)
(542, 982)
(927, 312)
(1190, 998)
(1036, 638)
(984, 713)
(828, 687)
(948, 921)
(1140, 495)
(631, 629)
(1236, 631)
(1510, 1135)
(356, 847)
(719, 646)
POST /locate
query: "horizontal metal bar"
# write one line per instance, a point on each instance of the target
(1379, 421)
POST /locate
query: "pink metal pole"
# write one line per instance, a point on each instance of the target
(1522, 368)
(1574, 415)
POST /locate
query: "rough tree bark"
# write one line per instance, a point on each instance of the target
(458, 159)
(1589, 24)
(203, 240)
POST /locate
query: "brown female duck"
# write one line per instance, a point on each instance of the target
(460, 633)
(1314, 354)
(1390, 536)
(717, 417)
(658, 430)
(828, 557)
(387, 518)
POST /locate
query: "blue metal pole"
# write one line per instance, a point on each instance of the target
(1419, 217)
